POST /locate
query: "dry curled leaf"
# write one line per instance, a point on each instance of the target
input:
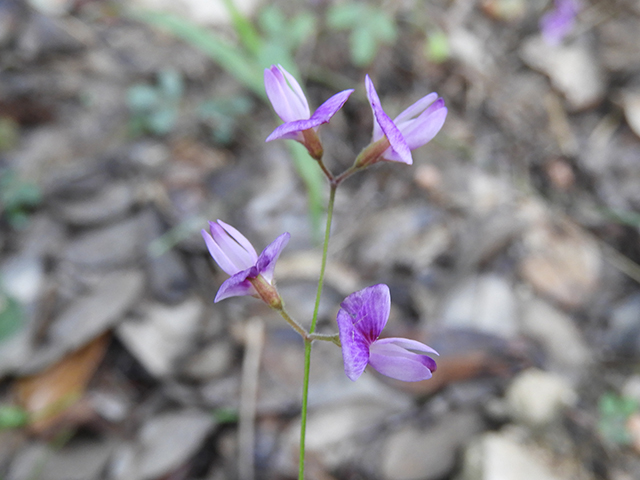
(55, 394)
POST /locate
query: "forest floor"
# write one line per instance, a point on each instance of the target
(511, 245)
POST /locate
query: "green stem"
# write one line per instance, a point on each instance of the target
(308, 340)
(325, 250)
(295, 325)
(335, 338)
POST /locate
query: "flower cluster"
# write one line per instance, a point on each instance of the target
(363, 314)
(392, 140)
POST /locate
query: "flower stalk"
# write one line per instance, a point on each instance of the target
(364, 313)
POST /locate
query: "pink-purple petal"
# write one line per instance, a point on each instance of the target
(369, 309)
(240, 258)
(398, 144)
(304, 110)
(235, 286)
(285, 94)
(407, 344)
(324, 113)
(355, 350)
(291, 130)
(218, 255)
(266, 263)
(330, 107)
(396, 362)
(241, 239)
(422, 130)
(416, 109)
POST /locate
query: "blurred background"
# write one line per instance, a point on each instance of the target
(511, 245)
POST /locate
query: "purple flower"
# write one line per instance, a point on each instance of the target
(292, 107)
(556, 24)
(413, 128)
(360, 321)
(236, 256)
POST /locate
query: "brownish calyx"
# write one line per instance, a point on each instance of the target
(313, 144)
(267, 292)
(372, 153)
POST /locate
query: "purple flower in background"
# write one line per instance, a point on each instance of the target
(413, 128)
(236, 256)
(361, 318)
(292, 107)
(556, 24)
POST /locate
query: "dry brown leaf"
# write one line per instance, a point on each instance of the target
(50, 396)
(561, 263)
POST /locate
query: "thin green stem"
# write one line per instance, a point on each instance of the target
(325, 250)
(325, 170)
(335, 338)
(308, 340)
(303, 413)
(295, 325)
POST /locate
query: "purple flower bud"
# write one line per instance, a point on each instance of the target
(292, 107)
(556, 24)
(236, 256)
(361, 318)
(414, 127)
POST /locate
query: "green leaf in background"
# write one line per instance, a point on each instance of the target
(363, 46)
(170, 84)
(11, 316)
(17, 196)
(12, 417)
(161, 121)
(614, 412)
(300, 28)
(343, 16)
(437, 47)
(232, 58)
(9, 134)
(223, 114)
(155, 109)
(245, 30)
(370, 27)
(142, 97)
(226, 415)
(313, 179)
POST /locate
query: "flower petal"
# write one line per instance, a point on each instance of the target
(267, 260)
(236, 286)
(218, 255)
(239, 257)
(330, 107)
(369, 310)
(355, 349)
(285, 94)
(396, 362)
(322, 115)
(291, 130)
(241, 239)
(408, 344)
(416, 109)
(398, 144)
(421, 130)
